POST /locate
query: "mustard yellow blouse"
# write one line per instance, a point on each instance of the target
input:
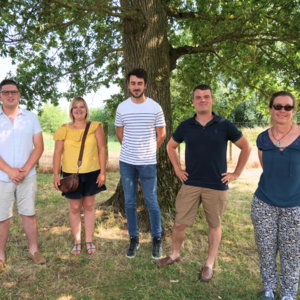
(72, 143)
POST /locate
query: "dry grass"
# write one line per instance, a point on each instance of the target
(251, 135)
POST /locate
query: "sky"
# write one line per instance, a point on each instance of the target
(93, 100)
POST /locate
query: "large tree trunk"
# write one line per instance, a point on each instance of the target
(146, 46)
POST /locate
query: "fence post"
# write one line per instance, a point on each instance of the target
(230, 151)
(105, 128)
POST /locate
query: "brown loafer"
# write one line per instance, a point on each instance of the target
(206, 274)
(1, 265)
(167, 261)
(38, 258)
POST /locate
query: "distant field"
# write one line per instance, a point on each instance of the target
(252, 133)
(114, 149)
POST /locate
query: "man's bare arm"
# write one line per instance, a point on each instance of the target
(246, 148)
(37, 152)
(171, 148)
(120, 133)
(160, 135)
(13, 173)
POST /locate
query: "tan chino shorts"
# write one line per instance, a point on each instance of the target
(24, 193)
(189, 199)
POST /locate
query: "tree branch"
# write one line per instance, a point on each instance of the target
(102, 7)
(176, 53)
(283, 67)
(240, 73)
(284, 56)
(172, 12)
(183, 77)
(86, 66)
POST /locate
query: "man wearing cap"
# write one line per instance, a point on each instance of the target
(19, 131)
(205, 179)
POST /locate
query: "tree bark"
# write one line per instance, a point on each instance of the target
(146, 46)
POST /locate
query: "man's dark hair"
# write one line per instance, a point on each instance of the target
(7, 82)
(139, 73)
(203, 87)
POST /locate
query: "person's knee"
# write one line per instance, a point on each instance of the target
(214, 227)
(179, 227)
(75, 209)
(89, 206)
(153, 207)
(214, 230)
(131, 205)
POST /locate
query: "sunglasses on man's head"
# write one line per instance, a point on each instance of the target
(286, 107)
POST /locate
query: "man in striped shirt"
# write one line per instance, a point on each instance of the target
(140, 128)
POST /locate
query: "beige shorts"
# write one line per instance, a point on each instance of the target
(24, 193)
(189, 199)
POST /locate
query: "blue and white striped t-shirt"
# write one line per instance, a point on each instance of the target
(139, 122)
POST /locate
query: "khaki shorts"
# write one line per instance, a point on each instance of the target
(189, 199)
(24, 193)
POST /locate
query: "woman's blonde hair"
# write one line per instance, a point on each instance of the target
(284, 93)
(73, 103)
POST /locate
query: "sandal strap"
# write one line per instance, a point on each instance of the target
(90, 246)
(76, 245)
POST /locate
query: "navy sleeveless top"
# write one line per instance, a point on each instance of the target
(279, 184)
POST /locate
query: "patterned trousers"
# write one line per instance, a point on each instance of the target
(277, 229)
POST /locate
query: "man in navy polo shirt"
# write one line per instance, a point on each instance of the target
(205, 179)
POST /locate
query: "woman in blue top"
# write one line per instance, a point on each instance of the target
(275, 209)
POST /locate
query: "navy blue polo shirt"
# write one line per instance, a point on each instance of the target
(206, 149)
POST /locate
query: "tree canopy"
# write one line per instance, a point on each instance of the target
(52, 117)
(239, 47)
(236, 44)
(101, 115)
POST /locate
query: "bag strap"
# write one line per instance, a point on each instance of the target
(82, 145)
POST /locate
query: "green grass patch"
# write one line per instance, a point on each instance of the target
(108, 274)
(114, 146)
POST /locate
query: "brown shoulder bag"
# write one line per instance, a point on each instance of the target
(70, 183)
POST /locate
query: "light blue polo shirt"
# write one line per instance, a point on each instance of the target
(16, 139)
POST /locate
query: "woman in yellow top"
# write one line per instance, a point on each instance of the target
(91, 173)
